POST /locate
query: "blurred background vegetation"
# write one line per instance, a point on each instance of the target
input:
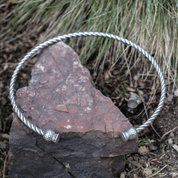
(152, 24)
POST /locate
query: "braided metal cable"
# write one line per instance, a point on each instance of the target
(50, 135)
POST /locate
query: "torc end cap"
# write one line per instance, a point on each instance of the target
(51, 136)
(129, 134)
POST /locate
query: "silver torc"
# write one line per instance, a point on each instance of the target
(50, 135)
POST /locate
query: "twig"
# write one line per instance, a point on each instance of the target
(147, 115)
(172, 130)
(4, 167)
(155, 131)
(158, 171)
(135, 169)
(138, 167)
(162, 156)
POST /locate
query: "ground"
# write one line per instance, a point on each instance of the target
(157, 155)
(160, 159)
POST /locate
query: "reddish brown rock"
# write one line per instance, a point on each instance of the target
(61, 97)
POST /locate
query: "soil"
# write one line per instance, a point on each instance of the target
(157, 155)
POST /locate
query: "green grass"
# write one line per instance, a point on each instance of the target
(152, 24)
(144, 141)
(123, 89)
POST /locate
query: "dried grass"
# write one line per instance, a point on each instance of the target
(151, 24)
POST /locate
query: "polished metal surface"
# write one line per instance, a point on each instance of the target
(50, 135)
(130, 134)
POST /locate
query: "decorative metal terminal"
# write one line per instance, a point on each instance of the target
(130, 134)
(50, 135)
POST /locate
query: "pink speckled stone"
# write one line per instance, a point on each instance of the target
(61, 96)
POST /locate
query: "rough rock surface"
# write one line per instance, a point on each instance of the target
(61, 97)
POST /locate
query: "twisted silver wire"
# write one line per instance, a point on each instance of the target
(130, 135)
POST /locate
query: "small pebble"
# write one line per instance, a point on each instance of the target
(135, 77)
(170, 141)
(122, 175)
(147, 172)
(174, 174)
(176, 92)
(135, 176)
(132, 104)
